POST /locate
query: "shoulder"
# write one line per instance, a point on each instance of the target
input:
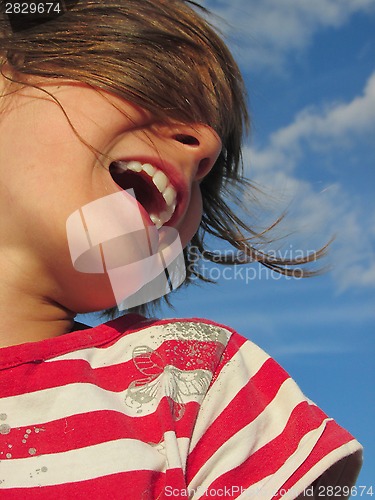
(192, 343)
(203, 334)
(179, 329)
(253, 417)
(196, 328)
(188, 343)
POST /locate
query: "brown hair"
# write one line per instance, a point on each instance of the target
(165, 57)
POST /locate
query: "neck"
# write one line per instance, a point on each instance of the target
(21, 324)
(27, 315)
(20, 332)
(22, 329)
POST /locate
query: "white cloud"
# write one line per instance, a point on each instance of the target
(330, 126)
(327, 210)
(336, 121)
(268, 30)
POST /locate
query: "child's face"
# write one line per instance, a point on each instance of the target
(48, 173)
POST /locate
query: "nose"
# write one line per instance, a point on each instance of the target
(199, 142)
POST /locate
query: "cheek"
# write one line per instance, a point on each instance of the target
(193, 216)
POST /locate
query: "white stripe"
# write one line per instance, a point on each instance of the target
(272, 485)
(232, 378)
(266, 427)
(176, 450)
(60, 402)
(153, 337)
(100, 460)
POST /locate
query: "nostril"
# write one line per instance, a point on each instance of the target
(189, 140)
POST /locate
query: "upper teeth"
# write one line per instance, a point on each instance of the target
(163, 185)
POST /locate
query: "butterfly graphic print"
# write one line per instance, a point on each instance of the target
(161, 379)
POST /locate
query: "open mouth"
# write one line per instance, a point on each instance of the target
(152, 188)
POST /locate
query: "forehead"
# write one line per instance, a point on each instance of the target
(77, 94)
(68, 108)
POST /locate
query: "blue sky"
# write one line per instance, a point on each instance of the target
(310, 73)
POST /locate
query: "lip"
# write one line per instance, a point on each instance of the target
(175, 179)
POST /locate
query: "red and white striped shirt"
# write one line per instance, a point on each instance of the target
(146, 409)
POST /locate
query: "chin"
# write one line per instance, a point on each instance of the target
(87, 293)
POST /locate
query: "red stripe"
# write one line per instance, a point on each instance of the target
(144, 368)
(245, 407)
(100, 336)
(34, 352)
(183, 354)
(56, 374)
(88, 429)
